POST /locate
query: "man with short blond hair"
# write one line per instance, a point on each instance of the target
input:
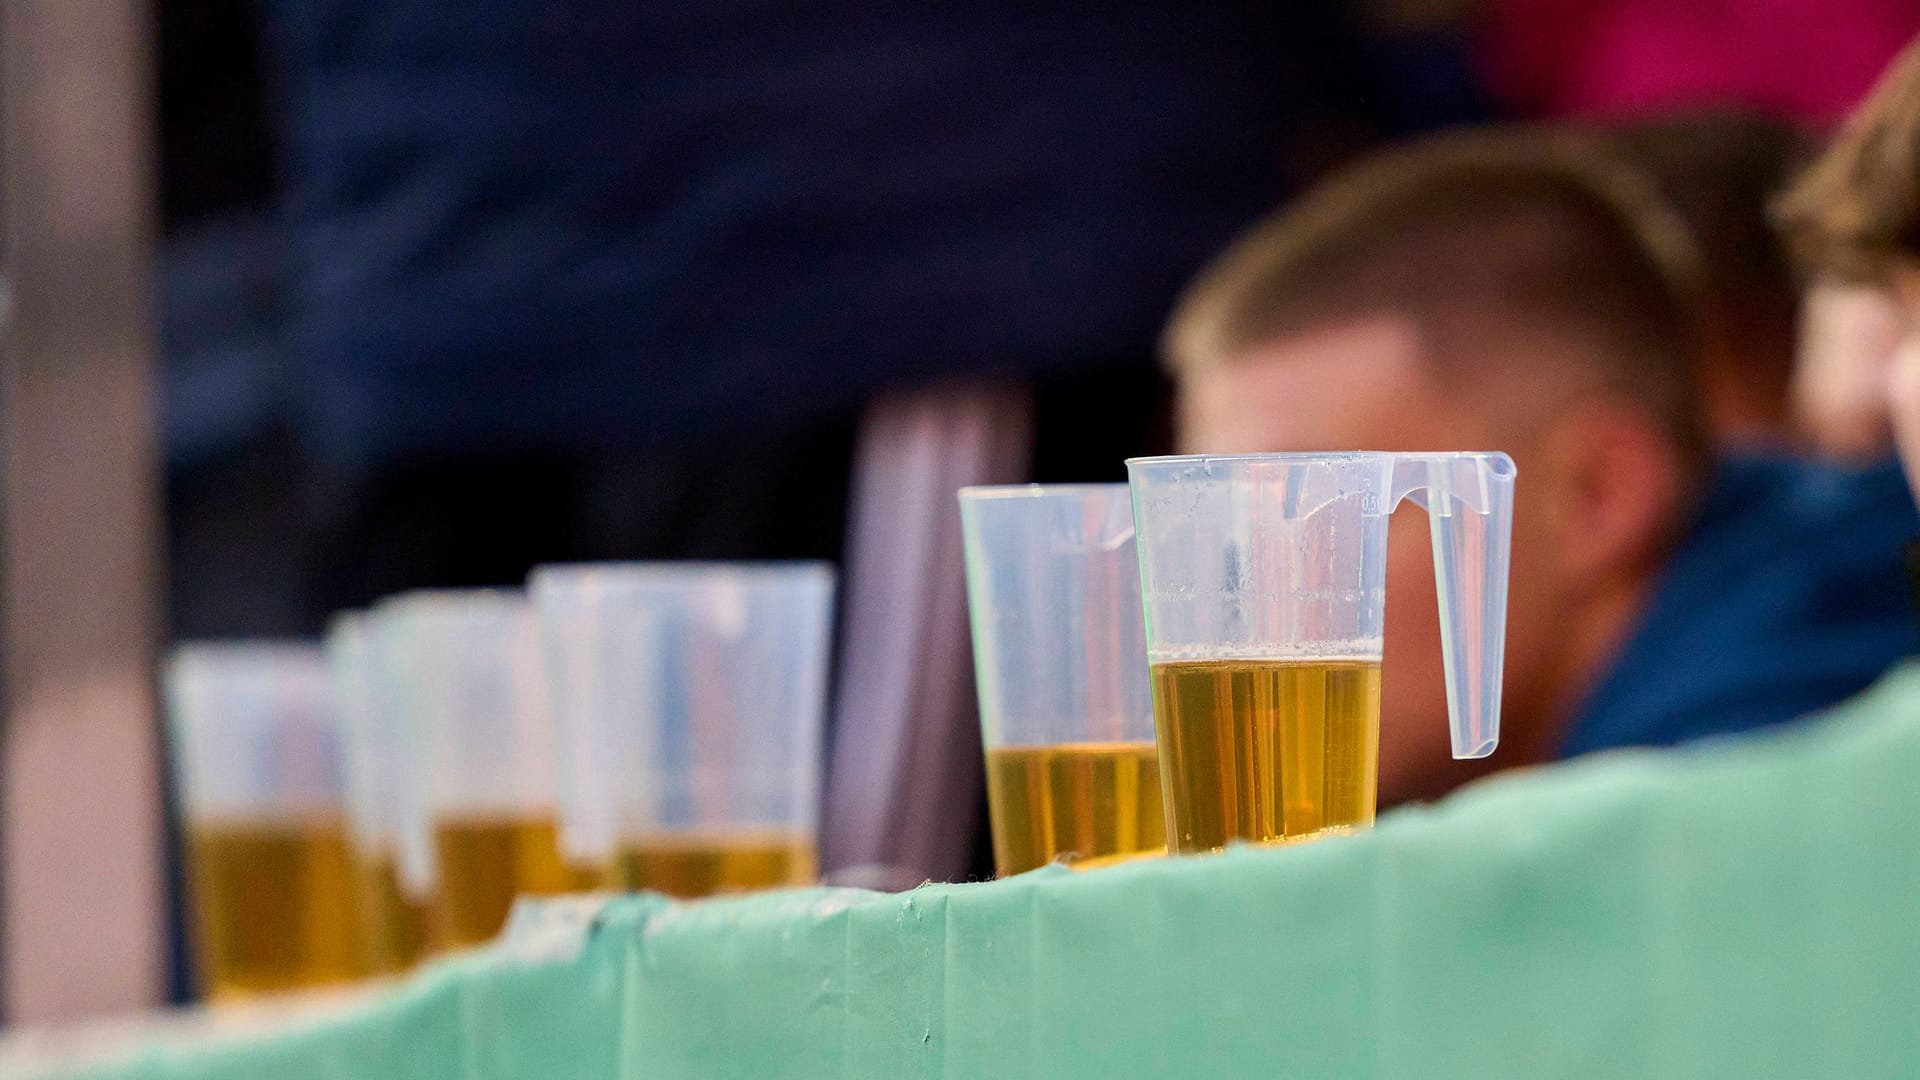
(1521, 291)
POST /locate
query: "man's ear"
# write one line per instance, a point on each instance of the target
(1611, 485)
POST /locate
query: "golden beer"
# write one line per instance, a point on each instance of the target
(706, 863)
(486, 861)
(394, 925)
(1264, 750)
(273, 904)
(1086, 800)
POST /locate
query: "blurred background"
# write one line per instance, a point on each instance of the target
(314, 301)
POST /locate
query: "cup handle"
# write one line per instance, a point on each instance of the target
(1468, 498)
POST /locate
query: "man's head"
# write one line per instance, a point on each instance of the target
(1855, 217)
(1510, 291)
(1720, 170)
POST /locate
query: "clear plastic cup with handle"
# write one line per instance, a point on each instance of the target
(1263, 577)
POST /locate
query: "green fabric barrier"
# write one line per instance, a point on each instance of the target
(508, 1011)
(1750, 908)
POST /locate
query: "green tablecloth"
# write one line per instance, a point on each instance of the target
(1746, 909)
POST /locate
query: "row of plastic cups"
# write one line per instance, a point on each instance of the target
(640, 725)
(665, 720)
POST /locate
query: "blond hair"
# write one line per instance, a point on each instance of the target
(1533, 227)
(1856, 211)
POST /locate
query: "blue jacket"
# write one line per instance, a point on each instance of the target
(1787, 595)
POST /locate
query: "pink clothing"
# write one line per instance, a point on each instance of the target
(1810, 60)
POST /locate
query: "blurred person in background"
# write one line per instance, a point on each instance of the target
(1855, 218)
(1523, 291)
(1719, 171)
